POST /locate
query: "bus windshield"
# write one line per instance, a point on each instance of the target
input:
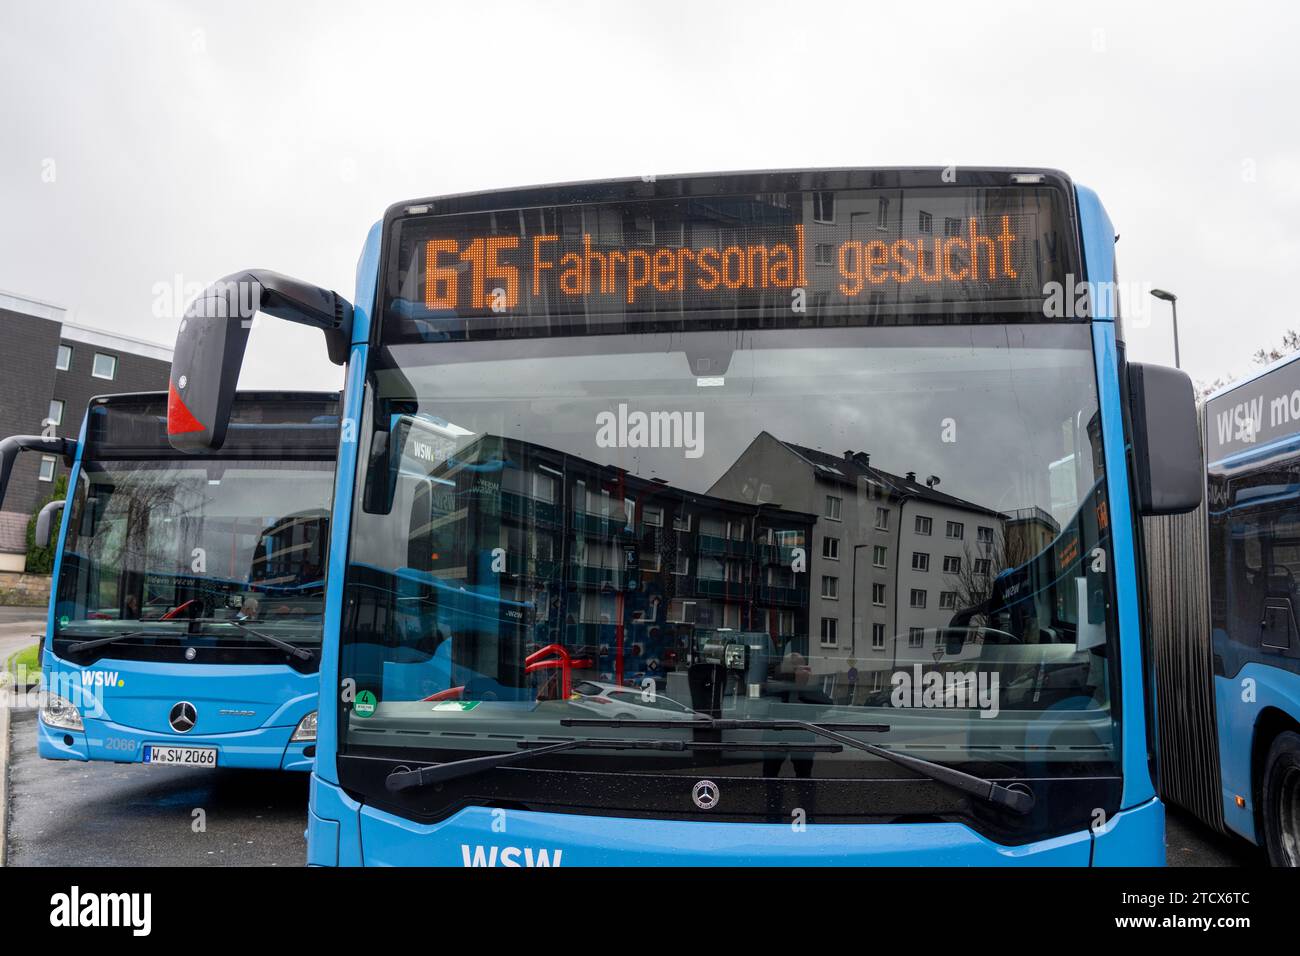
(902, 525)
(182, 553)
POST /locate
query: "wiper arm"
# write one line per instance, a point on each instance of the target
(1019, 800)
(101, 641)
(292, 649)
(456, 769)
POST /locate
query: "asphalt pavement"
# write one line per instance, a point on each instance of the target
(68, 813)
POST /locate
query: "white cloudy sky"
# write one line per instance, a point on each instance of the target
(192, 139)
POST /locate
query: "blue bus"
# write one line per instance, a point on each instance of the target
(600, 437)
(1225, 601)
(186, 614)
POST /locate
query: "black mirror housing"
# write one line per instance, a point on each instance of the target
(45, 523)
(211, 341)
(10, 448)
(1168, 464)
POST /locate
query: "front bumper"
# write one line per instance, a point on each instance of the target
(265, 748)
(338, 828)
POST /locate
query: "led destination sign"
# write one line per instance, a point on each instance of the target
(849, 248)
(496, 269)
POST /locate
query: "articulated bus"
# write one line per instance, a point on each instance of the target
(657, 499)
(186, 616)
(1225, 605)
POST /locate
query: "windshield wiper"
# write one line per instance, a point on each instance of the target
(101, 641)
(1019, 800)
(292, 649)
(456, 769)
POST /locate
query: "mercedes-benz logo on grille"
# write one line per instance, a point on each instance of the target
(183, 716)
(706, 794)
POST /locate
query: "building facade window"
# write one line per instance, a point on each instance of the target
(823, 207)
(877, 637)
(948, 600)
(830, 587)
(918, 598)
(882, 519)
(920, 561)
(47, 468)
(831, 548)
(951, 564)
(55, 416)
(833, 505)
(923, 525)
(879, 555)
(878, 595)
(984, 535)
(104, 366)
(915, 636)
(63, 358)
(955, 530)
(982, 566)
(830, 631)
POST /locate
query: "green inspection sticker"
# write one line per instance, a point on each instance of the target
(63, 621)
(365, 705)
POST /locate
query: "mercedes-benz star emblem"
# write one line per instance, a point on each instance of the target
(183, 717)
(706, 794)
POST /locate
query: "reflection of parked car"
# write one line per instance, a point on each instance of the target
(611, 700)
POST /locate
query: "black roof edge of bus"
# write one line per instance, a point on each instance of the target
(111, 398)
(683, 185)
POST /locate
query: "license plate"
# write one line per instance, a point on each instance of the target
(181, 756)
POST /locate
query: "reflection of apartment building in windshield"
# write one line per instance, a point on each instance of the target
(596, 547)
(915, 553)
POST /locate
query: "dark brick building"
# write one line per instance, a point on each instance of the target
(49, 370)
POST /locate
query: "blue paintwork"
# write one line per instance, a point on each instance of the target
(1098, 249)
(1236, 719)
(120, 718)
(341, 521)
(1132, 838)
(134, 713)
(339, 827)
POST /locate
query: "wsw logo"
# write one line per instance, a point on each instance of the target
(629, 428)
(101, 679)
(511, 856)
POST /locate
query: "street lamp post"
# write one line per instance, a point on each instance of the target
(1173, 302)
(853, 605)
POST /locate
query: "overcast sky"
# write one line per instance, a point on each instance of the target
(142, 142)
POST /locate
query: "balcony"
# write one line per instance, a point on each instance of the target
(599, 525)
(713, 544)
(773, 595)
(717, 587)
(528, 509)
(591, 576)
(774, 554)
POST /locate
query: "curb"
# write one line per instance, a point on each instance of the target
(4, 777)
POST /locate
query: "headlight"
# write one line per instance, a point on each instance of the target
(59, 713)
(305, 732)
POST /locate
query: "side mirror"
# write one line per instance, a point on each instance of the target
(13, 445)
(45, 523)
(1169, 468)
(210, 347)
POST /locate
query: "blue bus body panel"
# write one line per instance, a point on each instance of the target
(1133, 837)
(339, 828)
(1098, 247)
(1263, 687)
(248, 712)
(344, 483)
